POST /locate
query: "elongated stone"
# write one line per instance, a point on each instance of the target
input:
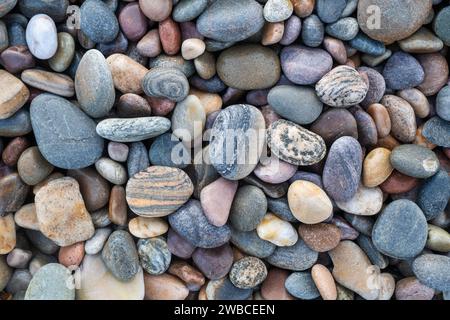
(52, 82)
(13, 95)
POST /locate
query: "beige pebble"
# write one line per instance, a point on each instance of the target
(417, 100)
(142, 227)
(272, 33)
(13, 94)
(438, 239)
(205, 65)
(324, 282)
(365, 202)
(377, 167)
(164, 287)
(7, 234)
(192, 48)
(210, 101)
(127, 73)
(53, 176)
(26, 217)
(277, 231)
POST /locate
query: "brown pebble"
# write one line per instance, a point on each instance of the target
(8, 234)
(164, 287)
(324, 282)
(26, 217)
(170, 36)
(160, 106)
(399, 183)
(205, 65)
(117, 212)
(193, 278)
(321, 237)
(436, 73)
(13, 150)
(131, 105)
(388, 142)
(13, 95)
(273, 286)
(417, 100)
(272, 33)
(377, 167)
(71, 255)
(127, 73)
(303, 8)
(380, 116)
(403, 118)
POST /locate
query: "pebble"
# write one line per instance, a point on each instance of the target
(51, 283)
(336, 48)
(13, 150)
(434, 194)
(248, 273)
(177, 62)
(211, 102)
(214, 263)
(401, 230)
(168, 151)
(7, 6)
(417, 100)
(248, 208)
(308, 202)
(26, 217)
(301, 285)
(119, 45)
(402, 117)
(402, 71)
(55, 137)
(32, 167)
(303, 8)
(150, 44)
(64, 54)
(14, 96)
(432, 271)
(137, 158)
(170, 36)
(246, 125)
(95, 244)
(422, 41)
(375, 256)
(298, 257)
(377, 167)
(437, 131)
(98, 22)
(190, 222)
(334, 124)
(193, 278)
(304, 65)
(111, 170)
(342, 170)
(251, 244)
(156, 10)
(188, 120)
(8, 232)
(223, 289)
(149, 196)
(179, 246)
(41, 242)
(167, 83)
(443, 103)
(117, 210)
(164, 287)
(154, 255)
(367, 130)
(205, 65)
(5, 273)
(41, 37)
(93, 187)
(19, 258)
(320, 237)
(280, 207)
(120, 256)
(61, 212)
(411, 289)
(377, 86)
(292, 29)
(98, 283)
(330, 11)
(187, 10)
(295, 103)
(436, 71)
(344, 29)
(72, 255)
(246, 17)
(216, 200)
(277, 231)
(192, 48)
(273, 286)
(441, 25)
(132, 129)
(56, 9)
(51, 82)
(17, 58)
(248, 67)
(118, 151)
(324, 282)
(132, 21)
(278, 10)
(275, 171)
(13, 192)
(438, 239)
(414, 161)
(313, 31)
(399, 22)
(131, 105)
(128, 75)
(294, 144)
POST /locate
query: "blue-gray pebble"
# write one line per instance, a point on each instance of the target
(330, 11)
(437, 131)
(18, 124)
(433, 270)
(280, 208)
(55, 9)
(375, 256)
(51, 282)
(187, 10)
(137, 158)
(248, 208)
(98, 22)
(415, 161)
(443, 103)
(403, 71)
(367, 45)
(301, 285)
(433, 194)
(251, 244)
(313, 31)
(154, 255)
(344, 29)
(298, 257)
(168, 151)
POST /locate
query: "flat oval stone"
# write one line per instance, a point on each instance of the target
(127, 74)
(8, 240)
(398, 22)
(41, 37)
(170, 36)
(436, 71)
(422, 41)
(275, 171)
(441, 25)
(98, 22)
(13, 96)
(309, 203)
(120, 256)
(154, 255)
(365, 202)
(403, 71)
(111, 170)
(433, 194)
(137, 158)
(313, 31)
(56, 9)
(367, 45)
(295, 103)
(401, 230)
(158, 191)
(187, 10)
(132, 129)
(95, 244)
(443, 103)
(367, 130)
(321, 237)
(294, 144)
(412, 289)
(168, 151)
(17, 58)
(246, 17)
(301, 285)
(298, 257)
(64, 54)
(52, 82)
(156, 10)
(417, 100)
(214, 263)
(330, 11)
(142, 227)
(381, 117)
(377, 86)
(132, 21)
(432, 271)
(292, 29)
(437, 131)
(303, 65)
(277, 231)
(94, 84)
(336, 49)
(251, 244)
(245, 125)
(190, 222)
(344, 29)
(32, 167)
(334, 124)
(248, 208)
(51, 283)
(342, 170)
(415, 161)
(402, 117)
(179, 246)
(248, 273)
(168, 83)
(58, 132)
(377, 167)
(342, 87)
(248, 67)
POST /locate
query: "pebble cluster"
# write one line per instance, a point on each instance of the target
(115, 121)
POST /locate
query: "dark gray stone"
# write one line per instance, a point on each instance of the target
(137, 158)
(98, 21)
(301, 285)
(433, 270)
(433, 194)
(403, 71)
(248, 208)
(224, 289)
(437, 131)
(162, 149)
(18, 124)
(251, 244)
(41, 242)
(313, 31)
(298, 257)
(55, 9)
(443, 103)
(376, 257)
(280, 207)
(415, 161)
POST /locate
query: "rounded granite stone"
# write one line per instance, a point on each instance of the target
(154, 255)
(434, 194)
(98, 22)
(298, 257)
(246, 17)
(443, 103)
(301, 285)
(403, 71)
(248, 272)
(433, 271)
(344, 29)
(52, 282)
(437, 131)
(415, 161)
(242, 125)
(401, 230)
(67, 139)
(248, 208)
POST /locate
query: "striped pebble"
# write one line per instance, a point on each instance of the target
(342, 87)
(158, 191)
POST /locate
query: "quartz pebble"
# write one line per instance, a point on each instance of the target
(41, 36)
(277, 231)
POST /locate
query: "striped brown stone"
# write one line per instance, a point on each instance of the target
(158, 191)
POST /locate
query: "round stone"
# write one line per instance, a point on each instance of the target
(98, 22)
(292, 29)
(309, 203)
(342, 87)
(246, 17)
(443, 103)
(278, 10)
(157, 10)
(248, 208)
(72, 255)
(158, 191)
(248, 67)
(441, 25)
(188, 120)
(294, 144)
(111, 170)
(154, 255)
(51, 283)
(334, 124)
(248, 272)
(344, 29)
(168, 151)
(313, 31)
(277, 231)
(168, 83)
(95, 244)
(377, 86)
(401, 230)
(437, 131)
(245, 126)
(132, 21)
(321, 237)
(415, 161)
(342, 170)
(436, 71)
(179, 246)
(251, 244)
(330, 11)
(32, 167)
(377, 167)
(41, 36)
(214, 263)
(298, 257)
(432, 271)
(275, 171)
(411, 289)
(301, 285)
(365, 202)
(192, 48)
(438, 239)
(433, 194)
(303, 65)
(403, 71)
